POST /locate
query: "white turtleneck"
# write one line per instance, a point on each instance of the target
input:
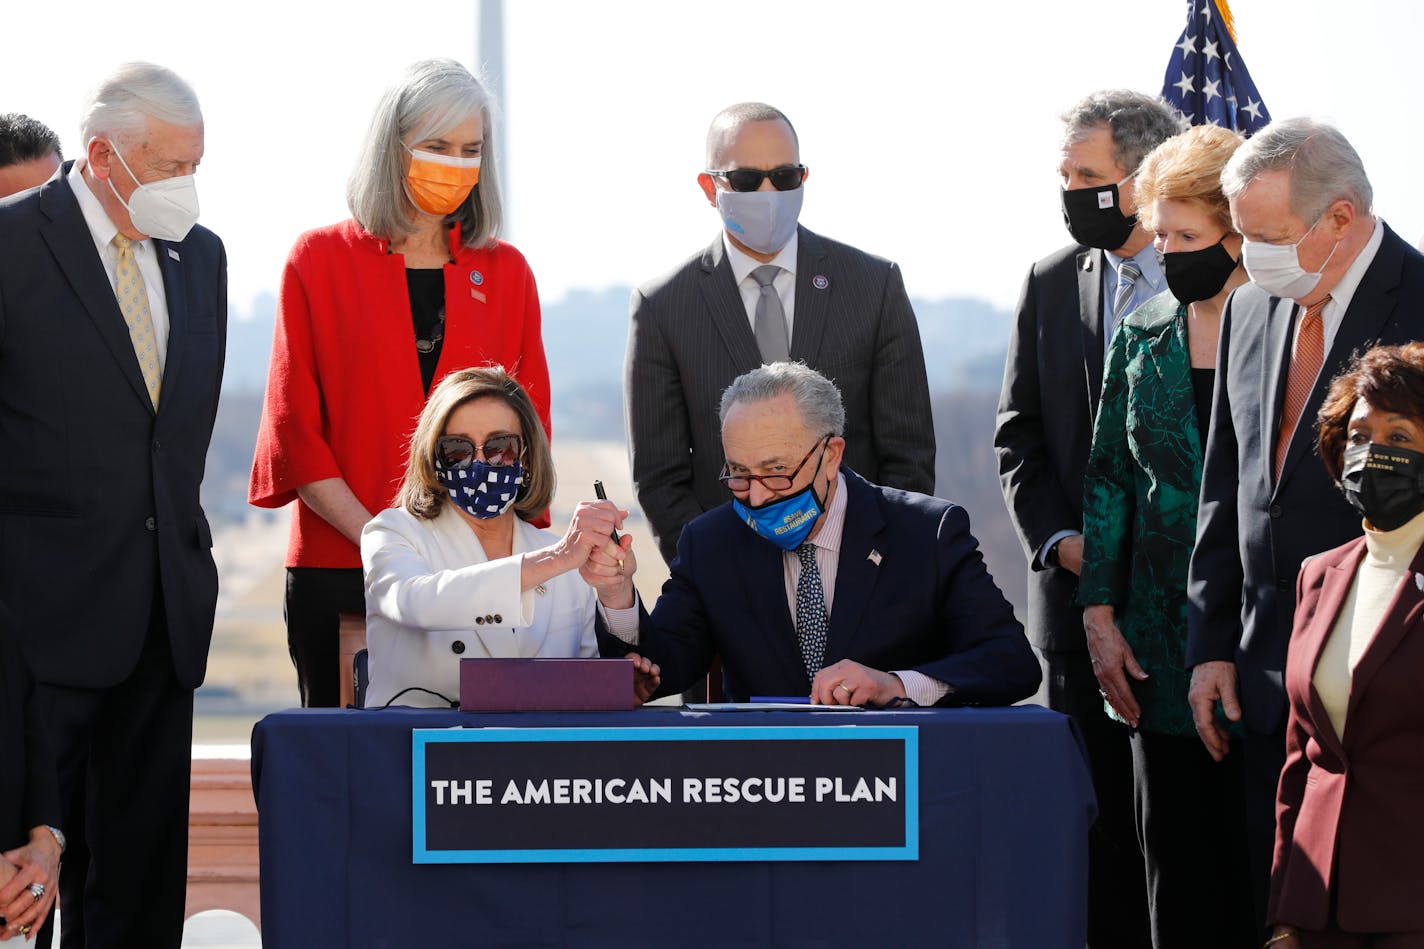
(1388, 555)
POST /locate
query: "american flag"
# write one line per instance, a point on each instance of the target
(1206, 77)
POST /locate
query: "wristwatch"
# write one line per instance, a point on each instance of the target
(58, 837)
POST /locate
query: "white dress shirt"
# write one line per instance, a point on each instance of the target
(430, 586)
(103, 230)
(1343, 292)
(918, 686)
(784, 284)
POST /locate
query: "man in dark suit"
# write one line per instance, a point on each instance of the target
(813, 581)
(767, 290)
(113, 320)
(1070, 305)
(1327, 280)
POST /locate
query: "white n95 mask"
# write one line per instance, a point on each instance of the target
(166, 209)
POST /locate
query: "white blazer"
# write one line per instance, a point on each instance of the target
(433, 598)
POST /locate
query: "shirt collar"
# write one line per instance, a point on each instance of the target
(742, 265)
(833, 521)
(101, 228)
(1148, 264)
(1344, 290)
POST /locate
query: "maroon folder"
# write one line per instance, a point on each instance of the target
(545, 685)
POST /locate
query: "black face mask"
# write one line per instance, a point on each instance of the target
(1094, 217)
(1384, 483)
(1194, 275)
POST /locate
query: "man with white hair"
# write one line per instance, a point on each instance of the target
(1328, 279)
(113, 322)
(810, 581)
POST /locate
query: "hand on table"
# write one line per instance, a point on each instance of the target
(850, 683)
(646, 677)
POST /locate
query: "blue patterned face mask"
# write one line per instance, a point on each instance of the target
(482, 490)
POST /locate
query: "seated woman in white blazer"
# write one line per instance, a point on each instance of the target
(453, 570)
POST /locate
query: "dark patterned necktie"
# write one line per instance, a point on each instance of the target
(810, 611)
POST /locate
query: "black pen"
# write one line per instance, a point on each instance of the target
(603, 496)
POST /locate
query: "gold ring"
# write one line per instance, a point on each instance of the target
(23, 930)
(842, 685)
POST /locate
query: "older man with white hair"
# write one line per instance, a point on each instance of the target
(1328, 279)
(113, 322)
(812, 582)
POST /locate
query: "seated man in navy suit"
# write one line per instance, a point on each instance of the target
(813, 581)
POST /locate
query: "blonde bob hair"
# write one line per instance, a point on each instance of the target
(422, 494)
(1187, 167)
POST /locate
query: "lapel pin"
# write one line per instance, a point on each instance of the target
(1419, 581)
(477, 278)
(477, 295)
(874, 557)
(541, 589)
(174, 254)
(820, 282)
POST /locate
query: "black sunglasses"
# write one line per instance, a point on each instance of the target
(455, 452)
(785, 178)
(743, 482)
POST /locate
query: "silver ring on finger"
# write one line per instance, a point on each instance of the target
(37, 890)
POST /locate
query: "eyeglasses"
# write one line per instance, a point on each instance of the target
(785, 178)
(455, 452)
(743, 482)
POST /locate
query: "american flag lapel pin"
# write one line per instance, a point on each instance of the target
(174, 254)
(874, 557)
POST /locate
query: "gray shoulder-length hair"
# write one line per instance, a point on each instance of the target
(120, 105)
(433, 96)
(815, 396)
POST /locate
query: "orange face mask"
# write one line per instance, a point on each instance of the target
(439, 184)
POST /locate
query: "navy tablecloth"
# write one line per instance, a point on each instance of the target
(1005, 804)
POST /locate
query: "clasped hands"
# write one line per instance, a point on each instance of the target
(36, 863)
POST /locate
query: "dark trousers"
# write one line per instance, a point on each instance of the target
(124, 759)
(1265, 756)
(316, 596)
(1117, 877)
(1191, 820)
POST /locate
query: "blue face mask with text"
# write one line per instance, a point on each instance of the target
(786, 522)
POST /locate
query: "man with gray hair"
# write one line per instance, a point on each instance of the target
(1328, 279)
(29, 153)
(113, 320)
(812, 581)
(767, 289)
(1072, 300)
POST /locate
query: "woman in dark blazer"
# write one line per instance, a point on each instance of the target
(1349, 859)
(29, 798)
(1139, 525)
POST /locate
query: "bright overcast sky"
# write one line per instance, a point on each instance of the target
(930, 128)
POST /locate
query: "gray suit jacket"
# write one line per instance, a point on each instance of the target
(689, 337)
(1052, 380)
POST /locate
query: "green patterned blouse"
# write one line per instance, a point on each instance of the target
(1140, 504)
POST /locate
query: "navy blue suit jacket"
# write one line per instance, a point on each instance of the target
(929, 605)
(1253, 533)
(99, 507)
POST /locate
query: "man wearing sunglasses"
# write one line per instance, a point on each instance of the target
(767, 290)
(809, 580)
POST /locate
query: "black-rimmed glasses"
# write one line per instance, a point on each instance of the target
(785, 178)
(455, 452)
(743, 482)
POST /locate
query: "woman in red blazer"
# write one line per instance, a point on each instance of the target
(374, 312)
(1349, 861)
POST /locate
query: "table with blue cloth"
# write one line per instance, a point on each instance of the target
(1005, 801)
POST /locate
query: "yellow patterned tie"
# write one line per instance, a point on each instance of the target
(133, 300)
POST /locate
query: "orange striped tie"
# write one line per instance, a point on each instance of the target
(1305, 366)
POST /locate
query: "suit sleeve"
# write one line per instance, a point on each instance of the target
(1037, 503)
(676, 635)
(658, 428)
(1108, 495)
(1291, 790)
(40, 804)
(1215, 577)
(988, 660)
(900, 396)
(292, 450)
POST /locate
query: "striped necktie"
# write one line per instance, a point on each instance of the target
(132, 294)
(1127, 275)
(1305, 365)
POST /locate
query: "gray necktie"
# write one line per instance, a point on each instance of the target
(810, 610)
(770, 317)
(1127, 274)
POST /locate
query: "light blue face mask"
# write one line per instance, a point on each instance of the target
(762, 220)
(786, 522)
